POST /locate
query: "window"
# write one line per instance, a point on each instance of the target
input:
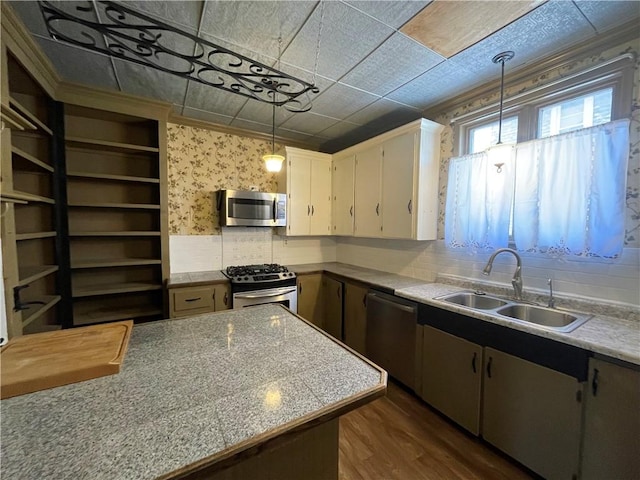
(585, 99)
(560, 186)
(578, 112)
(482, 137)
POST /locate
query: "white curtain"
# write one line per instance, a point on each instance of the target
(479, 200)
(567, 192)
(570, 192)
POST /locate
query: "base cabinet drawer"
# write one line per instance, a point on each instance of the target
(191, 300)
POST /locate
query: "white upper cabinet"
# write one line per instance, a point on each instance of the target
(368, 219)
(396, 183)
(307, 176)
(399, 186)
(342, 184)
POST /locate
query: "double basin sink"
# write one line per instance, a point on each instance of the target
(541, 317)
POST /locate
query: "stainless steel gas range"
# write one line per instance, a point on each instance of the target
(264, 283)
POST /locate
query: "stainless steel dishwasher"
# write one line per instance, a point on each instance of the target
(391, 335)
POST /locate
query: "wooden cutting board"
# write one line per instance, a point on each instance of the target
(45, 360)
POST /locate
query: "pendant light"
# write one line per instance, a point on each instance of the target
(272, 161)
(500, 154)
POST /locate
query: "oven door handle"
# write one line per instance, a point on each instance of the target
(282, 291)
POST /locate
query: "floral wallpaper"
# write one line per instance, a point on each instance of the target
(447, 140)
(202, 161)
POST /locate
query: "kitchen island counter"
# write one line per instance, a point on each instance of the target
(195, 396)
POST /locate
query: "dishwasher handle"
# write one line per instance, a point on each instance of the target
(399, 306)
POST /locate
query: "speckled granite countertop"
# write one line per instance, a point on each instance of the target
(376, 278)
(190, 390)
(614, 337)
(196, 278)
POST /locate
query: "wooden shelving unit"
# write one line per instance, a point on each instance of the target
(114, 209)
(31, 192)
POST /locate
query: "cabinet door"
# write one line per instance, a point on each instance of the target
(332, 291)
(532, 413)
(222, 296)
(451, 376)
(310, 300)
(368, 219)
(612, 423)
(320, 197)
(342, 186)
(398, 200)
(355, 317)
(299, 201)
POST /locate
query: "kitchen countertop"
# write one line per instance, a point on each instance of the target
(613, 335)
(190, 391)
(617, 337)
(196, 278)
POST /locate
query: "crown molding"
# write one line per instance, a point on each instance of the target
(21, 44)
(241, 132)
(112, 101)
(609, 39)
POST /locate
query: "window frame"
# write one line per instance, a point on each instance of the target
(616, 73)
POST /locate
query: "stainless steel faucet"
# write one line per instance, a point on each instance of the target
(552, 301)
(516, 281)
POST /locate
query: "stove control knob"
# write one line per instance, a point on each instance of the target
(246, 278)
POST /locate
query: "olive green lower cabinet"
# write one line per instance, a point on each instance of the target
(611, 438)
(452, 376)
(194, 300)
(355, 316)
(533, 414)
(310, 298)
(332, 291)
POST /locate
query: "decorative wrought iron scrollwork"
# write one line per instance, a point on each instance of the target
(121, 32)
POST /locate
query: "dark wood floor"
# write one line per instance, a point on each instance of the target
(399, 437)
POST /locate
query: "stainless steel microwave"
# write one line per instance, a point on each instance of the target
(251, 209)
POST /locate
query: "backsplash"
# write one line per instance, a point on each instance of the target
(246, 245)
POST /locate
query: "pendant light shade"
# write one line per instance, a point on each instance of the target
(273, 162)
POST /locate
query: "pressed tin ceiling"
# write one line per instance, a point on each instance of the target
(378, 64)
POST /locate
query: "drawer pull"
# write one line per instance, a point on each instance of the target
(193, 299)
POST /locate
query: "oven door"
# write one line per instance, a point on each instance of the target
(287, 296)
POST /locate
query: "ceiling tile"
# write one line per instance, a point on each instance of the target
(609, 14)
(342, 43)
(183, 13)
(206, 116)
(29, 13)
(552, 27)
(206, 97)
(149, 82)
(255, 26)
(391, 13)
(382, 108)
(339, 101)
(339, 129)
(395, 62)
(441, 82)
(86, 68)
(449, 27)
(309, 123)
